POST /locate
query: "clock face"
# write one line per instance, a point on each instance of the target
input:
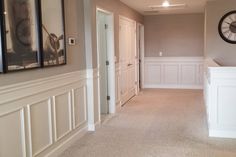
(227, 27)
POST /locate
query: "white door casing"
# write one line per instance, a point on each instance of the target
(140, 57)
(108, 71)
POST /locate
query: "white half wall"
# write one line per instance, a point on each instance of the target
(219, 92)
(173, 72)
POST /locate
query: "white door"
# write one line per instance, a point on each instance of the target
(103, 71)
(127, 58)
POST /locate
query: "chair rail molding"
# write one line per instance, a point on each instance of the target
(173, 72)
(43, 117)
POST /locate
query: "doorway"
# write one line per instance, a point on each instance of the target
(106, 63)
(140, 55)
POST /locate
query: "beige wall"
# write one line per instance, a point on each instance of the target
(215, 47)
(75, 54)
(174, 35)
(119, 8)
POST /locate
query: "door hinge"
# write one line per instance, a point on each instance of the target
(106, 26)
(107, 63)
(108, 98)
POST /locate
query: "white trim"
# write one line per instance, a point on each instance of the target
(92, 127)
(92, 75)
(222, 133)
(174, 86)
(128, 19)
(21, 90)
(111, 59)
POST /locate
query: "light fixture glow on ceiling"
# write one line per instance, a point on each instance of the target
(165, 4)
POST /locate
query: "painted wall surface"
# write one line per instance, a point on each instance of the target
(174, 35)
(215, 47)
(74, 19)
(119, 8)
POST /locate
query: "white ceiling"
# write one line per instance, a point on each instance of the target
(142, 6)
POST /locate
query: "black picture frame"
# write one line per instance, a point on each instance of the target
(20, 35)
(9, 63)
(53, 37)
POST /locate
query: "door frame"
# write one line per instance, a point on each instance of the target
(111, 59)
(141, 53)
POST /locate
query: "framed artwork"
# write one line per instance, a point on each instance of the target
(53, 32)
(19, 35)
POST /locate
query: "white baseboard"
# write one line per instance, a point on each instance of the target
(93, 127)
(67, 143)
(173, 87)
(222, 133)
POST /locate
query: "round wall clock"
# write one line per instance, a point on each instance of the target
(227, 27)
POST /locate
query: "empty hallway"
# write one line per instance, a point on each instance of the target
(156, 123)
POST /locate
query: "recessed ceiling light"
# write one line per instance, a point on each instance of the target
(165, 4)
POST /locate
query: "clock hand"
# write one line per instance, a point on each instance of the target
(231, 24)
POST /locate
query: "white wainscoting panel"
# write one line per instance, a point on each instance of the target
(219, 93)
(12, 134)
(173, 72)
(189, 74)
(153, 74)
(41, 117)
(62, 114)
(40, 122)
(80, 106)
(170, 74)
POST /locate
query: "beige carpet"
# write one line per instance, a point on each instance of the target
(157, 123)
